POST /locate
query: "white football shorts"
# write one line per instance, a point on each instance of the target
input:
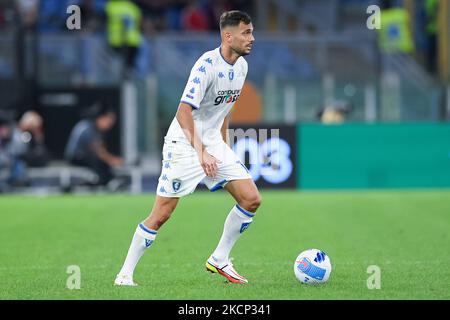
(181, 169)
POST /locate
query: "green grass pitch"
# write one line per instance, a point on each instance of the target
(404, 233)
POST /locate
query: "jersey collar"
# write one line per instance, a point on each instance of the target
(220, 51)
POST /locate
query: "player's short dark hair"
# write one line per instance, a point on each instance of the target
(233, 18)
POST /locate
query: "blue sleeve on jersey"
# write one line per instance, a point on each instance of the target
(190, 103)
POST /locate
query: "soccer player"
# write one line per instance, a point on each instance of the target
(196, 149)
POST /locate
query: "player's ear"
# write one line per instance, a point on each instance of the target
(227, 36)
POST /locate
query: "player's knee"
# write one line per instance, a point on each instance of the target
(252, 202)
(256, 202)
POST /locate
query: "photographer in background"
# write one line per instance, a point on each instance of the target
(86, 146)
(11, 152)
(30, 129)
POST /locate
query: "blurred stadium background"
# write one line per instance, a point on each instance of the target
(314, 62)
(356, 109)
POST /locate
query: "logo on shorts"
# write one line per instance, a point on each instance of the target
(176, 184)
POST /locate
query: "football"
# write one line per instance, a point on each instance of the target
(312, 266)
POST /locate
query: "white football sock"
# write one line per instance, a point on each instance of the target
(237, 222)
(142, 240)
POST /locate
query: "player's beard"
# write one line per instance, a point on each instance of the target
(240, 52)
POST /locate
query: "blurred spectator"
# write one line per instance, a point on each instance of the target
(194, 17)
(153, 15)
(92, 20)
(124, 21)
(174, 12)
(53, 15)
(11, 151)
(395, 34)
(336, 113)
(86, 146)
(154, 12)
(30, 129)
(332, 115)
(28, 11)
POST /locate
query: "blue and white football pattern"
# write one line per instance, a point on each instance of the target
(312, 266)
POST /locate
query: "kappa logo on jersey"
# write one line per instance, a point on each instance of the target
(221, 75)
(176, 184)
(202, 69)
(227, 96)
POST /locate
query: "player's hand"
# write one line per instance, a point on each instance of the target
(209, 164)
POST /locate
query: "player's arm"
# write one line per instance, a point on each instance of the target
(184, 117)
(224, 130)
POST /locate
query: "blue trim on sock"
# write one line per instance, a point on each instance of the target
(147, 229)
(247, 213)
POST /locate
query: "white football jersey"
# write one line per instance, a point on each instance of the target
(213, 87)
